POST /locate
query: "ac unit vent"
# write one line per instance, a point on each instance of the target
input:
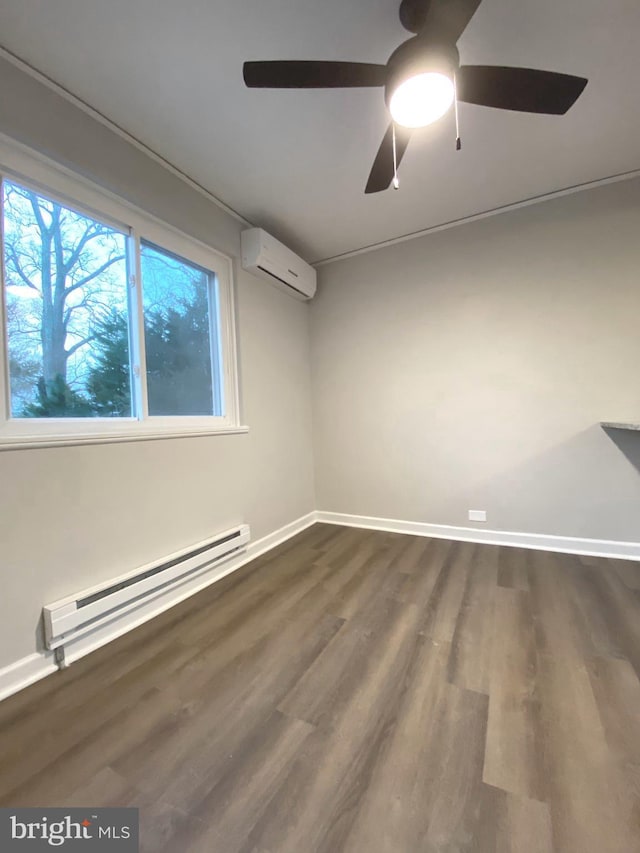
(282, 281)
(266, 257)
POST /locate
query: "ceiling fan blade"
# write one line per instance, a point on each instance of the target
(312, 75)
(382, 170)
(522, 89)
(448, 19)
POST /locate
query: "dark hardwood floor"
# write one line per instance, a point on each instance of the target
(358, 691)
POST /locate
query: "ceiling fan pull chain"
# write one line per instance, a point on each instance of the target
(396, 182)
(455, 106)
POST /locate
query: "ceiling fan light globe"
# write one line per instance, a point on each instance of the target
(421, 99)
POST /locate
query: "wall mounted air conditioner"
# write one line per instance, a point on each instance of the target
(266, 257)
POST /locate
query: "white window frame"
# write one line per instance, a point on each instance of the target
(37, 172)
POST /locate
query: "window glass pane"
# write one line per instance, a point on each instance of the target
(181, 335)
(66, 310)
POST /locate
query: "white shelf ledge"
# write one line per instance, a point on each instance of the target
(620, 425)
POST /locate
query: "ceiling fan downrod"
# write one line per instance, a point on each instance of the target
(455, 107)
(396, 182)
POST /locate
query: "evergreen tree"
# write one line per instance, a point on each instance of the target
(178, 361)
(55, 399)
(24, 375)
(109, 380)
(179, 357)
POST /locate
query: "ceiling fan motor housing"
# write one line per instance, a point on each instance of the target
(413, 14)
(423, 78)
(419, 55)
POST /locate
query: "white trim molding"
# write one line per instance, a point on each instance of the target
(535, 541)
(86, 108)
(483, 214)
(136, 228)
(272, 540)
(36, 442)
(22, 673)
(16, 676)
(25, 672)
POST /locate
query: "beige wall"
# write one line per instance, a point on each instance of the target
(73, 516)
(469, 369)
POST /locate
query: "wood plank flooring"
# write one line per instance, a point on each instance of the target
(358, 692)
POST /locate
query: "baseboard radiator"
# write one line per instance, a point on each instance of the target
(84, 612)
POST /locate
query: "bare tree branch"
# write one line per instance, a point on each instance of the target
(94, 274)
(90, 234)
(79, 344)
(85, 305)
(13, 257)
(35, 205)
(57, 245)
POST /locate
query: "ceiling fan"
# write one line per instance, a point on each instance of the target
(423, 78)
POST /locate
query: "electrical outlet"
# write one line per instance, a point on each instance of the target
(477, 515)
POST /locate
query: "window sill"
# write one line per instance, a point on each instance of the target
(34, 442)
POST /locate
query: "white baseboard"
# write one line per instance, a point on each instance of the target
(30, 669)
(535, 541)
(24, 672)
(272, 540)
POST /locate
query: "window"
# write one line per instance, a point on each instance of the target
(66, 310)
(181, 335)
(114, 325)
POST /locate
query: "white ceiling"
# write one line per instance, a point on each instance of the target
(296, 162)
